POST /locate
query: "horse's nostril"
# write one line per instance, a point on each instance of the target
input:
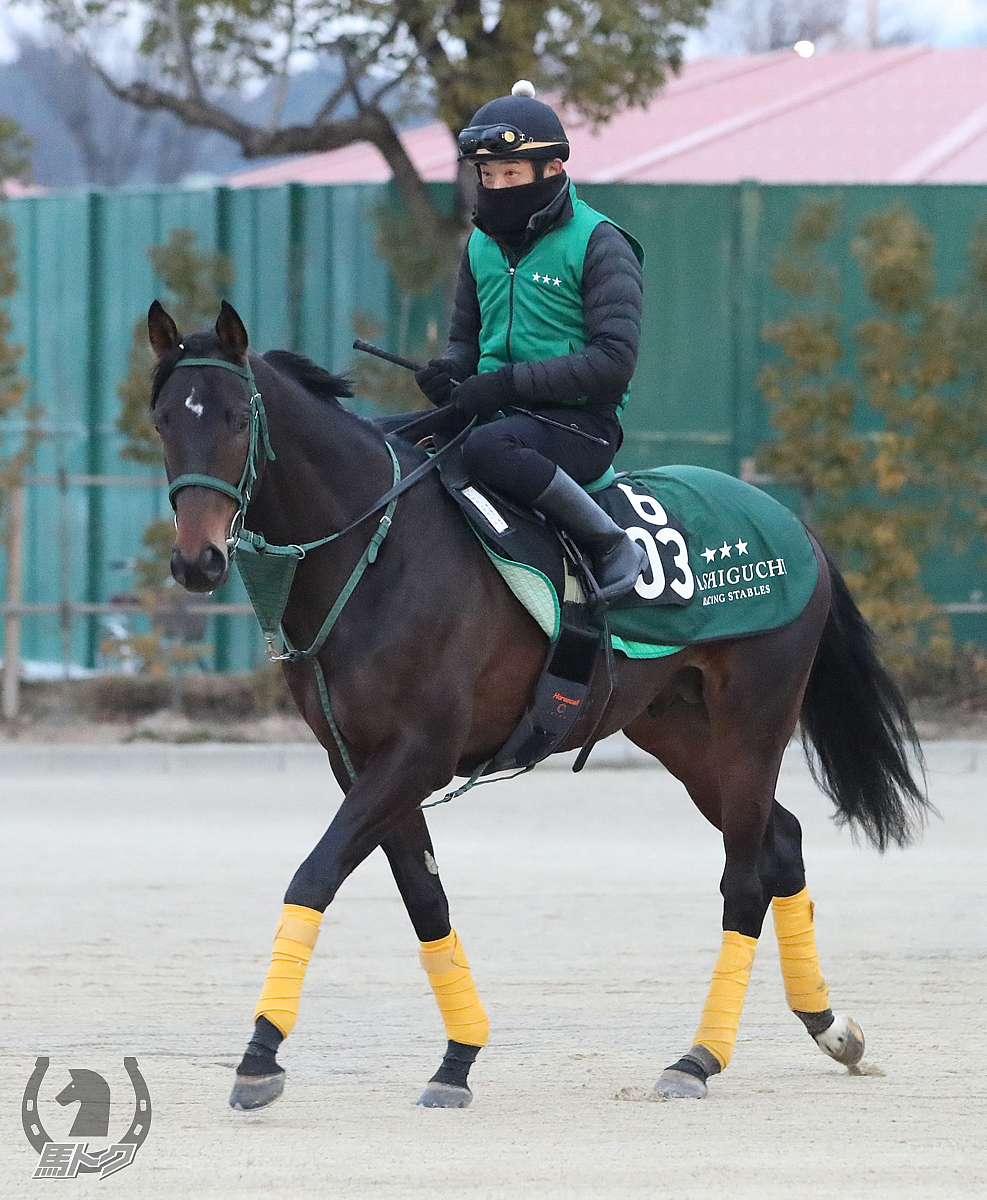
(212, 563)
(178, 567)
(201, 574)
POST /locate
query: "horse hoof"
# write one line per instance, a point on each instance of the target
(445, 1095)
(254, 1091)
(677, 1085)
(843, 1040)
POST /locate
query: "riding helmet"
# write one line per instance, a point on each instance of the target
(514, 126)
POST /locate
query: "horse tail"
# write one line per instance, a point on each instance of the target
(857, 732)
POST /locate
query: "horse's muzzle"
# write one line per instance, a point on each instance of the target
(208, 572)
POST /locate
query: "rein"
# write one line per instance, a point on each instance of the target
(267, 570)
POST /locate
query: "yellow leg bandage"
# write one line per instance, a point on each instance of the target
(294, 941)
(725, 1000)
(448, 971)
(805, 988)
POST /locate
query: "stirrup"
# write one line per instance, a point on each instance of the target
(618, 577)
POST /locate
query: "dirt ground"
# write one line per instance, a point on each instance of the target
(139, 898)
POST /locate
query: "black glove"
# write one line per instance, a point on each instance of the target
(483, 394)
(436, 381)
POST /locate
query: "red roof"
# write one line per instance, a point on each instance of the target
(15, 189)
(905, 115)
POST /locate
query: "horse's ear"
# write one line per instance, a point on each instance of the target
(230, 330)
(161, 329)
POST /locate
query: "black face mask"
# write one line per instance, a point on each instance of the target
(507, 211)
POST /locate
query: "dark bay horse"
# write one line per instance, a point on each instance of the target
(432, 662)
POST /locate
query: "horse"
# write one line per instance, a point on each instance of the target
(412, 684)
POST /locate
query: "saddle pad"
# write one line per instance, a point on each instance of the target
(750, 567)
(725, 558)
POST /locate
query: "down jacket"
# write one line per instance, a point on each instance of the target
(612, 289)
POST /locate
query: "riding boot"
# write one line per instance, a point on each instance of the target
(616, 560)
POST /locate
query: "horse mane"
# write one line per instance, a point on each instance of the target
(314, 379)
(317, 381)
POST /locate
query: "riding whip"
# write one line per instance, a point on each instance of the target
(409, 365)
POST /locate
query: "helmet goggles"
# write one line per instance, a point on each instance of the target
(490, 139)
(478, 142)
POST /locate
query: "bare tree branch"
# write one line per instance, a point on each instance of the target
(368, 125)
(365, 61)
(183, 48)
(430, 47)
(282, 77)
(332, 102)
(194, 111)
(390, 84)
(353, 72)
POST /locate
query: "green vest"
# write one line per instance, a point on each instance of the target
(534, 311)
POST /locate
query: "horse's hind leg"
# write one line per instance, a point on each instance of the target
(728, 751)
(681, 737)
(783, 875)
(746, 791)
(409, 852)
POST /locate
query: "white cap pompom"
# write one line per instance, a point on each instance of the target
(523, 87)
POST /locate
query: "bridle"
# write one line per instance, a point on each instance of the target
(259, 449)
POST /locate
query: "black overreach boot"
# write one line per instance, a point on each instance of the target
(616, 560)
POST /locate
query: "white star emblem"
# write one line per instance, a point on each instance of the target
(724, 551)
(709, 555)
(741, 547)
(557, 282)
(536, 277)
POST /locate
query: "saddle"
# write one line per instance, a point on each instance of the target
(550, 576)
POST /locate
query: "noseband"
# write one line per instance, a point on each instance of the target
(258, 450)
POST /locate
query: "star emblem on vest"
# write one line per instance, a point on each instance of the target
(725, 550)
(539, 278)
(741, 547)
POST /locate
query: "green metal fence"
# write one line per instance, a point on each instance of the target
(305, 266)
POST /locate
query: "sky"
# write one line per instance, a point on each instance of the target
(949, 22)
(939, 22)
(935, 22)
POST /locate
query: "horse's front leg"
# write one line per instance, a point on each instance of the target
(388, 790)
(409, 851)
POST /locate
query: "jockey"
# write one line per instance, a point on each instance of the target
(547, 318)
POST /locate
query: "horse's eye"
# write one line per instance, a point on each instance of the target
(242, 422)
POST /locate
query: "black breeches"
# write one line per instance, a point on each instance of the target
(518, 455)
